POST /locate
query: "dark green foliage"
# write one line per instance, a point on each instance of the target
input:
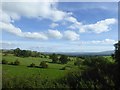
(117, 52)
(32, 65)
(4, 61)
(16, 62)
(54, 58)
(11, 63)
(117, 70)
(78, 62)
(63, 68)
(95, 77)
(95, 61)
(113, 56)
(17, 52)
(63, 59)
(31, 82)
(43, 64)
(25, 53)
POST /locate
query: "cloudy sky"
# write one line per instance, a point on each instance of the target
(59, 26)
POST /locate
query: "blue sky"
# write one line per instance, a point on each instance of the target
(59, 26)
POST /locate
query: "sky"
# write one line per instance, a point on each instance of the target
(59, 26)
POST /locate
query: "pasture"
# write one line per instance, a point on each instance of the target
(52, 72)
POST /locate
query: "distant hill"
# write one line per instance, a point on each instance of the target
(104, 53)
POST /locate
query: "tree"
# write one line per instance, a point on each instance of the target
(17, 52)
(117, 52)
(4, 61)
(43, 64)
(32, 65)
(54, 58)
(63, 59)
(78, 62)
(117, 58)
(16, 62)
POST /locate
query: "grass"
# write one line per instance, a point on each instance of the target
(52, 72)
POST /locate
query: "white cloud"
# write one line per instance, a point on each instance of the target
(17, 31)
(71, 35)
(106, 41)
(53, 25)
(96, 42)
(98, 27)
(4, 17)
(46, 10)
(76, 25)
(71, 19)
(54, 34)
(43, 10)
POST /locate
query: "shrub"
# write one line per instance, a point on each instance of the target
(63, 59)
(4, 61)
(17, 62)
(78, 62)
(63, 68)
(11, 63)
(32, 65)
(43, 64)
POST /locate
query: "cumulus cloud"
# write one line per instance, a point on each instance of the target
(17, 31)
(54, 34)
(53, 25)
(71, 35)
(43, 9)
(71, 19)
(46, 10)
(98, 27)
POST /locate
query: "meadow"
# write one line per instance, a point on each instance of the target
(52, 72)
(76, 72)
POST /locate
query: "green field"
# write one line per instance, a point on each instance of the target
(52, 72)
(80, 72)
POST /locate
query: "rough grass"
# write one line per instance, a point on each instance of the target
(52, 72)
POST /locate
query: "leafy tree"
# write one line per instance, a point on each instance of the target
(17, 52)
(117, 52)
(117, 58)
(43, 64)
(4, 61)
(35, 54)
(17, 62)
(32, 65)
(54, 58)
(78, 62)
(63, 59)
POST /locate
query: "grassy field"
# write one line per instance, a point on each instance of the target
(78, 72)
(52, 72)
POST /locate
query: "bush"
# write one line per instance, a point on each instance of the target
(63, 59)
(78, 62)
(63, 68)
(43, 64)
(32, 65)
(11, 63)
(17, 62)
(4, 61)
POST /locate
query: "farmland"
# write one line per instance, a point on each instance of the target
(55, 70)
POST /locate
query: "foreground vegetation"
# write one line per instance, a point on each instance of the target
(59, 71)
